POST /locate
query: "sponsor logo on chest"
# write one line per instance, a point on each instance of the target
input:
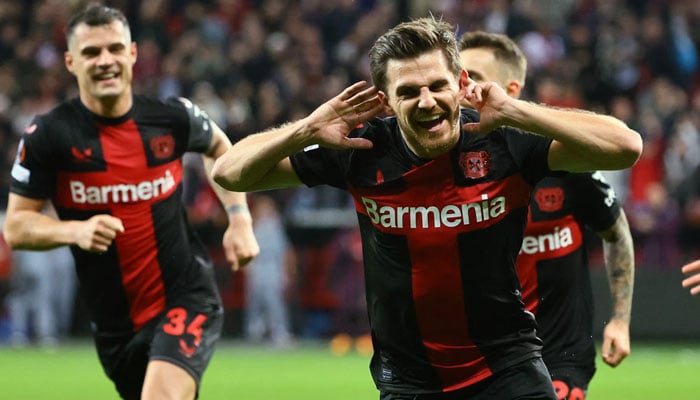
(82, 193)
(426, 217)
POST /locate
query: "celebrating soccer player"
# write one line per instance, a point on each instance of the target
(442, 198)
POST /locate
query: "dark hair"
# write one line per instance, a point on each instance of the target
(410, 40)
(504, 50)
(95, 14)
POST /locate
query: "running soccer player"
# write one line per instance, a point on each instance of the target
(111, 164)
(553, 262)
(442, 201)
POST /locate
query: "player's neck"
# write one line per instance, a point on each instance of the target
(109, 107)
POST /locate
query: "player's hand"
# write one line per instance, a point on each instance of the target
(616, 342)
(693, 281)
(333, 120)
(239, 241)
(488, 99)
(97, 233)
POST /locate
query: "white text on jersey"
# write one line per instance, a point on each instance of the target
(423, 217)
(121, 193)
(549, 242)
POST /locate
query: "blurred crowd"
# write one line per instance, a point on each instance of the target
(253, 64)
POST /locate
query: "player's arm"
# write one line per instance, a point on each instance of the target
(583, 141)
(618, 250)
(239, 241)
(26, 227)
(261, 161)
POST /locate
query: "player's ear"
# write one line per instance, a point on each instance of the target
(68, 61)
(513, 89)
(385, 103)
(134, 51)
(463, 83)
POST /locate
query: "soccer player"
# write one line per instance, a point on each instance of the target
(441, 200)
(110, 162)
(553, 264)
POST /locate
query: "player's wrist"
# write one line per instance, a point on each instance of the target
(237, 209)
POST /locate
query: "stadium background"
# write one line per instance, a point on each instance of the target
(252, 64)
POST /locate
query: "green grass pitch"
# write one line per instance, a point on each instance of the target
(653, 371)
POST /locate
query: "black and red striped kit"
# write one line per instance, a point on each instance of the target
(440, 238)
(131, 168)
(553, 265)
(152, 295)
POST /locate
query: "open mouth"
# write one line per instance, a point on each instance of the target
(430, 122)
(105, 77)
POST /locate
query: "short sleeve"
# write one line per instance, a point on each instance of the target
(598, 206)
(530, 152)
(200, 126)
(31, 175)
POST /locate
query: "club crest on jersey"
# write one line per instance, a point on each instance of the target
(475, 164)
(550, 199)
(163, 146)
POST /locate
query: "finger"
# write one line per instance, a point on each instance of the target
(605, 349)
(694, 291)
(352, 90)
(98, 248)
(365, 95)
(235, 266)
(232, 259)
(610, 359)
(102, 241)
(109, 226)
(115, 224)
(617, 357)
(691, 281)
(691, 267)
(475, 93)
(472, 127)
(105, 234)
(358, 143)
(368, 110)
(368, 105)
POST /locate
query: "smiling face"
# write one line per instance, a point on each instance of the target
(424, 94)
(102, 58)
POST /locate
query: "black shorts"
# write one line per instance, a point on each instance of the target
(527, 380)
(183, 334)
(571, 381)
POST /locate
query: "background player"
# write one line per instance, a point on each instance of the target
(441, 201)
(553, 263)
(110, 162)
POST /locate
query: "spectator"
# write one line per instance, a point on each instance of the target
(269, 276)
(40, 302)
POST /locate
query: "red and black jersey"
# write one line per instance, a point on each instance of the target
(440, 238)
(131, 168)
(553, 262)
